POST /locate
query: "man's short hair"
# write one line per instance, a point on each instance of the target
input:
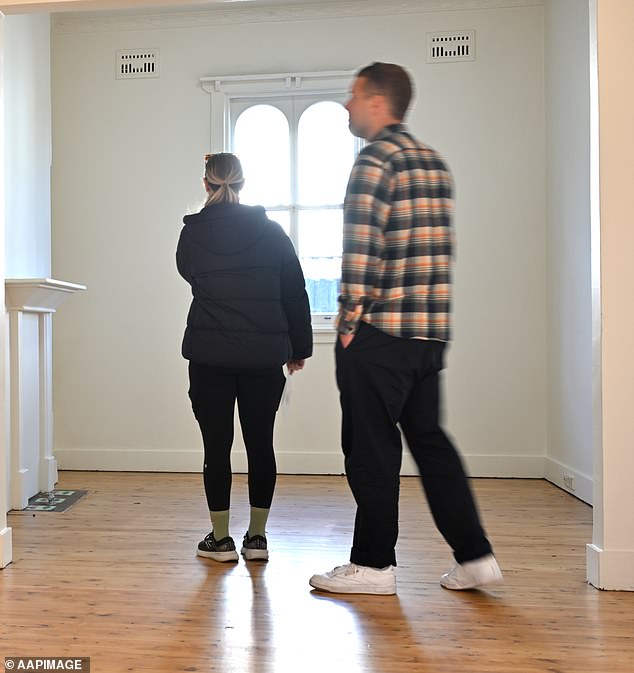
(393, 82)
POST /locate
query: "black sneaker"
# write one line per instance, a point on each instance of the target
(254, 548)
(218, 550)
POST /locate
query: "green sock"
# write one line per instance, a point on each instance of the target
(257, 522)
(220, 524)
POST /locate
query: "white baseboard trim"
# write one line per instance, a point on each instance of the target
(569, 479)
(518, 467)
(190, 460)
(129, 460)
(610, 570)
(6, 547)
(288, 462)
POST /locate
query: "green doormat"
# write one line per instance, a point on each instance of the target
(54, 501)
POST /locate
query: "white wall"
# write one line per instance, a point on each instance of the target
(28, 146)
(567, 85)
(126, 165)
(6, 537)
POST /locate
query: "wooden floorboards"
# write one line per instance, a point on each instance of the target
(116, 579)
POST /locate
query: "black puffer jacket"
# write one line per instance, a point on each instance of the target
(250, 308)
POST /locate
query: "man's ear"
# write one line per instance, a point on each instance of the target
(383, 105)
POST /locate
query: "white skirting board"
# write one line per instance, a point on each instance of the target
(6, 547)
(610, 569)
(327, 462)
(569, 479)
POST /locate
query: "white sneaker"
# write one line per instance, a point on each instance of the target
(472, 574)
(354, 579)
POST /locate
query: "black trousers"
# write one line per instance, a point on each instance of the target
(213, 392)
(385, 382)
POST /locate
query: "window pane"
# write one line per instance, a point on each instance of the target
(325, 154)
(320, 242)
(261, 142)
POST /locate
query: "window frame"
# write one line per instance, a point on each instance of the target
(293, 91)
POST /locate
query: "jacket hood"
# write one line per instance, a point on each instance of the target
(227, 228)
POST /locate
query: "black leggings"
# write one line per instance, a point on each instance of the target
(213, 392)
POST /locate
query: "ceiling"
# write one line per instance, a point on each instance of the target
(28, 6)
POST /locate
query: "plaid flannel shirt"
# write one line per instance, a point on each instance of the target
(397, 240)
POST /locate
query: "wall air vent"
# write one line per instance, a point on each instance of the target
(450, 47)
(137, 63)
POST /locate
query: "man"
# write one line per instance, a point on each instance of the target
(393, 327)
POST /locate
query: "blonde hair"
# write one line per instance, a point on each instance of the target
(223, 175)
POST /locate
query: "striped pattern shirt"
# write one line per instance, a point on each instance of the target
(397, 240)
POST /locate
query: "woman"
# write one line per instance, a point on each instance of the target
(248, 317)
